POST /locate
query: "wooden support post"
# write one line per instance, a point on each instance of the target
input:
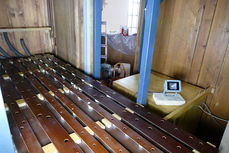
(152, 12)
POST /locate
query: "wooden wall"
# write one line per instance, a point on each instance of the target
(22, 14)
(69, 31)
(192, 45)
(177, 34)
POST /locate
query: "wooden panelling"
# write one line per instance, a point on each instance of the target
(201, 43)
(215, 69)
(139, 35)
(64, 20)
(218, 104)
(177, 32)
(217, 45)
(69, 31)
(219, 101)
(192, 45)
(22, 14)
(79, 31)
(36, 41)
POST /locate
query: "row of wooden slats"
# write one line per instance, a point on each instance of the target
(78, 114)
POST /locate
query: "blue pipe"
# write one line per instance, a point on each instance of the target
(11, 46)
(24, 47)
(4, 52)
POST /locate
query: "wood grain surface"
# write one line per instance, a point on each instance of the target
(24, 14)
(192, 45)
(69, 31)
(129, 85)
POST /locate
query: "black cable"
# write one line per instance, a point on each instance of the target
(24, 47)
(4, 53)
(213, 117)
(11, 46)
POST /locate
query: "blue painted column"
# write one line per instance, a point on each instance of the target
(97, 11)
(150, 28)
(87, 37)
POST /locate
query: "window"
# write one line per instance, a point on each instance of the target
(133, 12)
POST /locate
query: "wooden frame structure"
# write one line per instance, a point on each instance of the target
(193, 95)
(149, 38)
(57, 107)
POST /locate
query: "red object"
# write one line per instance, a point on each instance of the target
(125, 31)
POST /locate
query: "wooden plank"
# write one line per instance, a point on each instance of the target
(35, 125)
(177, 32)
(139, 35)
(68, 26)
(136, 137)
(16, 135)
(79, 34)
(194, 102)
(110, 142)
(23, 13)
(60, 139)
(121, 118)
(216, 47)
(75, 125)
(201, 43)
(144, 113)
(221, 96)
(152, 133)
(50, 6)
(61, 22)
(29, 116)
(25, 130)
(25, 29)
(71, 32)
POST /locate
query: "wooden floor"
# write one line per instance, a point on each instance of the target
(53, 107)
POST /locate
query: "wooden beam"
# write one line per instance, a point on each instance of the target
(149, 38)
(19, 29)
(202, 40)
(196, 101)
(139, 36)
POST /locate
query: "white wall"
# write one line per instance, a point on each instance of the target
(115, 12)
(224, 148)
